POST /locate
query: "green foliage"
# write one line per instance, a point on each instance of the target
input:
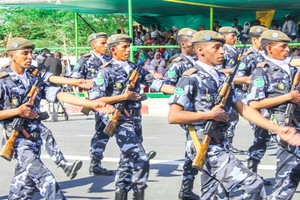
(47, 28)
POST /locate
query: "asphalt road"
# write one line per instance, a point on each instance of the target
(74, 136)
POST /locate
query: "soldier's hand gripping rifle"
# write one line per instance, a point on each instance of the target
(17, 125)
(211, 125)
(120, 107)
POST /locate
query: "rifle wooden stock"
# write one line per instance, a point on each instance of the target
(8, 149)
(85, 110)
(199, 160)
(110, 128)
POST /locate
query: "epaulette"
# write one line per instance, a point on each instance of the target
(261, 64)
(86, 55)
(3, 74)
(247, 53)
(105, 65)
(177, 59)
(189, 72)
(295, 62)
(5, 65)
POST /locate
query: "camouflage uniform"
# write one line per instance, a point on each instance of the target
(262, 137)
(30, 172)
(222, 173)
(133, 169)
(171, 77)
(87, 67)
(268, 82)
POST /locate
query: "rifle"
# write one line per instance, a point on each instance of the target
(17, 125)
(289, 115)
(120, 107)
(211, 125)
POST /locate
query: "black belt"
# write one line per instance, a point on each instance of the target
(134, 112)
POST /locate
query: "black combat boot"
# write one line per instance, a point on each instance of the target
(151, 155)
(138, 195)
(70, 168)
(97, 169)
(186, 192)
(121, 195)
(253, 165)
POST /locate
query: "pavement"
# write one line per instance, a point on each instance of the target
(74, 135)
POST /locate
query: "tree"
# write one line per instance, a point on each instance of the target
(48, 28)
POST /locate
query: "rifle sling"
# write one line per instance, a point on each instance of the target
(194, 137)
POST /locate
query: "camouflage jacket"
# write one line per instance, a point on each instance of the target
(13, 92)
(198, 92)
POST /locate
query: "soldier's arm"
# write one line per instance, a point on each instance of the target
(238, 80)
(177, 115)
(274, 101)
(87, 84)
(287, 134)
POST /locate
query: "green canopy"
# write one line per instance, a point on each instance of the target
(182, 13)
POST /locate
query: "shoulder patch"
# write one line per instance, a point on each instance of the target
(259, 82)
(242, 66)
(104, 65)
(171, 73)
(177, 59)
(262, 64)
(179, 91)
(190, 71)
(247, 53)
(99, 81)
(3, 74)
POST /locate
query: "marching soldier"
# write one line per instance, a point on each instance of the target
(179, 65)
(193, 103)
(15, 80)
(249, 61)
(270, 88)
(230, 56)
(134, 166)
(87, 67)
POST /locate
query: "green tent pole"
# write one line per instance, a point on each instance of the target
(130, 28)
(76, 35)
(211, 17)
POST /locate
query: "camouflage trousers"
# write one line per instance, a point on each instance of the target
(225, 177)
(133, 170)
(287, 175)
(261, 140)
(189, 172)
(231, 129)
(30, 172)
(99, 140)
(50, 145)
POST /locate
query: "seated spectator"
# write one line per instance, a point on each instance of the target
(294, 52)
(216, 26)
(289, 27)
(137, 39)
(244, 36)
(142, 58)
(148, 40)
(159, 63)
(148, 66)
(236, 25)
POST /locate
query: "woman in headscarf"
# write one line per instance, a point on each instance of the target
(159, 63)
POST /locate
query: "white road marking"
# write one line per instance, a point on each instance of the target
(154, 161)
